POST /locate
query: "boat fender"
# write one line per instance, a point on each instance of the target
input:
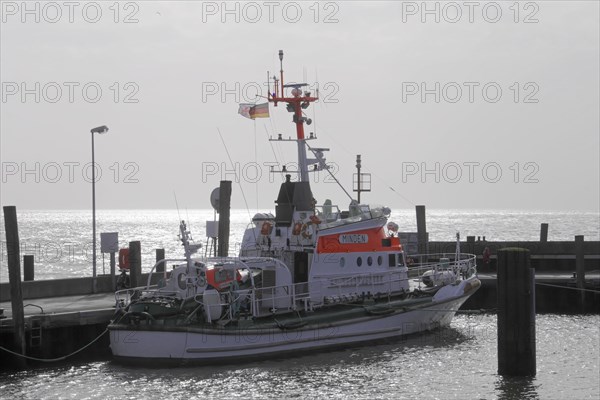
(297, 228)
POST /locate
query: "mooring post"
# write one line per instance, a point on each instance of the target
(28, 269)
(160, 255)
(135, 264)
(580, 266)
(11, 228)
(113, 276)
(224, 205)
(471, 244)
(516, 313)
(421, 229)
(544, 232)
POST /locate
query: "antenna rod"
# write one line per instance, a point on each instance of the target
(358, 176)
(281, 69)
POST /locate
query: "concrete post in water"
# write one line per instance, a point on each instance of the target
(28, 269)
(421, 229)
(544, 233)
(224, 205)
(516, 313)
(580, 266)
(160, 255)
(14, 276)
(135, 264)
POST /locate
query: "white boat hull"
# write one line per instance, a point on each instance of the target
(190, 345)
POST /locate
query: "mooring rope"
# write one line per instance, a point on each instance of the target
(568, 287)
(59, 358)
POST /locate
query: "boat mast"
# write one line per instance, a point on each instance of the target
(296, 103)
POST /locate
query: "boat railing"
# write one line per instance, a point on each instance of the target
(356, 213)
(260, 301)
(464, 266)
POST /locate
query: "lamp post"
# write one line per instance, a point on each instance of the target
(100, 130)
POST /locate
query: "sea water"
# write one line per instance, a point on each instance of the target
(61, 241)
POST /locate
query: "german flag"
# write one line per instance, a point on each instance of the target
(254, 111)
(259, 111)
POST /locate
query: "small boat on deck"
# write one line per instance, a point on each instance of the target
(307, 278)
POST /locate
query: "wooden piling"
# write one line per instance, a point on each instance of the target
(421, 229)
(160, 255)
(11, 228)
(135, 264)
(516, 313)
(113, 276)
(544, 232)
(580, 266)
(28, 267)
(224, 209)
(471, 244)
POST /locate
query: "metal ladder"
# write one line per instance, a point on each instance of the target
(35, 336)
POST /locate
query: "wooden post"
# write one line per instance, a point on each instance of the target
(28, 269)
(135, 264)
(421, 229)
(471, 244)
(113, 276)
(516, 313)
(160, 255)
(580, 266)
(544, 233)
(11, 228)
(224, 205)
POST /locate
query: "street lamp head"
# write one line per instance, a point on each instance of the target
(101, 129)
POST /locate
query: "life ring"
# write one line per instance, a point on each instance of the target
(306, 234)
(266, 228)
(124, 258)
(297, 228)
(315, 220)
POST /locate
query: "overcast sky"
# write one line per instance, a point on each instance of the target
(485, 105)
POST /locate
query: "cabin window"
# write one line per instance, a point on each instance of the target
(342, 262)
(379, 260)
(370, 261)
(392, 260)
(359, 261)
(401, 259)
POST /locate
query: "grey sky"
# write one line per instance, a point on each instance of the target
(372, 61)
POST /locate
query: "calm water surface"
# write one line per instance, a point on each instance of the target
(455, 363)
